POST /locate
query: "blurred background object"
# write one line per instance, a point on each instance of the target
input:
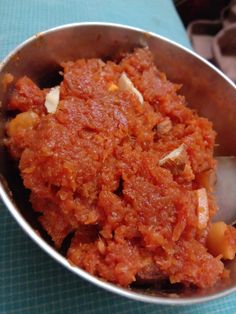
(211, 27)
(190, 10)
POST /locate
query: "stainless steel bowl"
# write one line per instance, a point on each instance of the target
(206, 89)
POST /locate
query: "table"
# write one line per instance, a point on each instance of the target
(31, 281)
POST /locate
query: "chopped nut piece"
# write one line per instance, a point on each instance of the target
(101, 246)
(7, 79)
(52, 99)
(175, 160)
(112, 87)
(178, 163)
(202, 208)
(164, 126)
(188, 173)
(173, 155)
(126, 84)
(101, 63)
(221, 240)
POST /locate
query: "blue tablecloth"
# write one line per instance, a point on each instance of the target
(30, 281)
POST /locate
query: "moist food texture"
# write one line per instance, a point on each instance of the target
(123, 170)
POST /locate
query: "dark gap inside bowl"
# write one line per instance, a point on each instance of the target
(119, 190)
(66, 243)
(52, 76)
(118, 53)
(162, 286)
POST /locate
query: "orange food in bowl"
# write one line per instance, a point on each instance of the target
(116, 162)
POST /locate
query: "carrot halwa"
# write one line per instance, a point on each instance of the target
(122, 165)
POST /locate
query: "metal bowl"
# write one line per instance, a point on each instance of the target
(206, 89)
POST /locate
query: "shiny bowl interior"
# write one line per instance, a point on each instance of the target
(206, 89)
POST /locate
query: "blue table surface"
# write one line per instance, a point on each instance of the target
(30, 281)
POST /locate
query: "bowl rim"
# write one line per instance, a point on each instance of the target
(12, 208)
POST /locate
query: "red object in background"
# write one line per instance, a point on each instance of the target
(190, 10)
